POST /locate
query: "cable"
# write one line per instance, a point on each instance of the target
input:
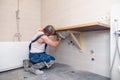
(116, 51)
(117, 48)
(17, 34)
(117, 35)
(17, 17)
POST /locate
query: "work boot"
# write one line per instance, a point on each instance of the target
(35, 71)
(26, 64)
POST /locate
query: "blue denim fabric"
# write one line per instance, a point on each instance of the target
(41, 57)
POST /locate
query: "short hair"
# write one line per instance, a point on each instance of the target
(49, 29)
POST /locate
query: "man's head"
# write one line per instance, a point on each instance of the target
(49, 30)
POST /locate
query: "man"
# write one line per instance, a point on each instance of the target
(37, 49)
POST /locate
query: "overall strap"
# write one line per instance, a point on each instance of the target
(45, 47)
(35, 40)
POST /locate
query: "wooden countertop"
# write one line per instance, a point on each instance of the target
(93, 26)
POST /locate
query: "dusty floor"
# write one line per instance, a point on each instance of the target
(56, 72)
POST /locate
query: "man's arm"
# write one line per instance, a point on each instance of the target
(50, 42)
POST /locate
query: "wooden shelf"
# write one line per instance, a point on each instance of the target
(93, 26)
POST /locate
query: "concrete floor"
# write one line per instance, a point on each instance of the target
(56, 72)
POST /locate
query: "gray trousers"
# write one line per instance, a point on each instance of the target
(29, 66)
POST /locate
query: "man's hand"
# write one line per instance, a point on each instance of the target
(60, 36)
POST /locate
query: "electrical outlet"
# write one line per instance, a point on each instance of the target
(104, 19)
(92, 51)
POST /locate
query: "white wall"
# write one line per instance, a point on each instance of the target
(30, 19)
(115, 15)
(62, 13)
(71, 12)
(96, 41)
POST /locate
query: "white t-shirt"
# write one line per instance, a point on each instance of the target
(37, 47)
